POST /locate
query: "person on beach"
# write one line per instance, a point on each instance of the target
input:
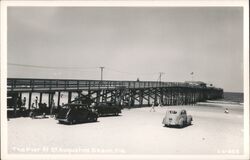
(159, 105)
(23, 106)
(32, 112)
(19, 102)
(33, 106)
(226, 111)
(152, 107)
(36, 101)
(52, 109)
(24, 102)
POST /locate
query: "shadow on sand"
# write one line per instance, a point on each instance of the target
(177, 127)
(110, 115)
(77, 123)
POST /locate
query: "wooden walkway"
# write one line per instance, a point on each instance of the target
(123, 93)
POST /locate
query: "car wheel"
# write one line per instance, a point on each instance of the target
(181, 124)
(190, 122)
(72, 122)
(89, 119)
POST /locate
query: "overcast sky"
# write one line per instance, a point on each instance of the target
(72, 42)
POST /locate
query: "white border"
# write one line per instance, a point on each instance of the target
(179, 3)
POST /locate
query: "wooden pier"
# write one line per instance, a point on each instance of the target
(123, 93)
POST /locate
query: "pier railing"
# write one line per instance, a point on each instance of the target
(19, 84)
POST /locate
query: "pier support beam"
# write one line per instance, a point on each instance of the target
(69, 96)
(41, 97)
(30, 96)
(58, 98)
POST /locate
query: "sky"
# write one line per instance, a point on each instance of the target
(130, 42)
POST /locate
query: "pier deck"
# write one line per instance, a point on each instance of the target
(123, 93)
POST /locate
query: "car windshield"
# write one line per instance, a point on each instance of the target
(172, 112)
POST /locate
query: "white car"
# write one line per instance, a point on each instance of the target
(177, 118)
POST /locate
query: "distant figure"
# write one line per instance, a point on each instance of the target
(32, 113)
(76, 100)
(152, 107)
(44, 115)
(36, 101)
(19, 102)
(24, 102)
(159, 105)
(52, 108)
(32, 106)
(226, 111)
(138, 80)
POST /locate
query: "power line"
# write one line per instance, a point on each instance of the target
(79, 68)
(49, 67)
(118, 71)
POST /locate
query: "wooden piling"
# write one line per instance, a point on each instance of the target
(41, 97)
(58, 98)
(69, 96)
(133, 93)
(30, 97)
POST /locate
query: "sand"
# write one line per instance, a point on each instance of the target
(135, 131)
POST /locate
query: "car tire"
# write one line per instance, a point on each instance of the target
(181, 123)
(189, 121)
(72, 122)
(89, 119)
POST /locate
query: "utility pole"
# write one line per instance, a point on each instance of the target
(101, 72)
(161, 73)
(192, 76)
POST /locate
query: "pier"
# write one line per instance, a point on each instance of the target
(122, 93)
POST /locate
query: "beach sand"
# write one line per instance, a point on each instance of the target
(135, 131)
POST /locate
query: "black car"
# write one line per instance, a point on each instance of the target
(75, 113)
(107, 109)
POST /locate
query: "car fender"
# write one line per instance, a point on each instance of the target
(189, 119)
(164, 120)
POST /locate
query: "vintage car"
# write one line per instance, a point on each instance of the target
(176, 117)
(75, 113)
(107, 109)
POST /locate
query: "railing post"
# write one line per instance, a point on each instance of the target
(77, 84)
(30, 84)
(12, 84)
(56, 83)
(50, 84)
(65, 84)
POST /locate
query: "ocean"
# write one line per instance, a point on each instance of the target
(234, 97)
